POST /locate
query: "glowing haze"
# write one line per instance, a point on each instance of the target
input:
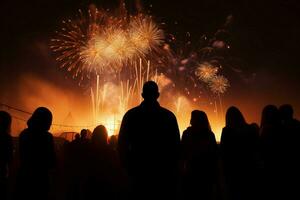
(118, 52)
(112, 53)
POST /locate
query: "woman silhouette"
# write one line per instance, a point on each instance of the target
(239, 151)
(199, 151)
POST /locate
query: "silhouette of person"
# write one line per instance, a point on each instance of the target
(76, 138)
(84, 143)
(239, 147)
(84, 135)
(272, 152)
(113, 142)
(148, 144)
(199, 151)
(76, 165)
(290, 124)
(37, 156)
(289, 144)
(6, 151)
(104, 170)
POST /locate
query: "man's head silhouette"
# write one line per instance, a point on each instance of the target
(83, 134)
(150, 91)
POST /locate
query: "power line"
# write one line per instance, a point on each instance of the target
(16, 109)
(30, 113)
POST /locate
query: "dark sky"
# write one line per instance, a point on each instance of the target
(266, 36)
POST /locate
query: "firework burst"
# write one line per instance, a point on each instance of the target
(206, 72)
(219, 84)
(75, 36)
(144, 34)
(100, 42)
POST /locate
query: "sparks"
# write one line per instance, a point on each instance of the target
(99, 42)
(206, 72)
(219, 84)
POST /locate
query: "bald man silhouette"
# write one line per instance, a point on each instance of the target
(148, 144)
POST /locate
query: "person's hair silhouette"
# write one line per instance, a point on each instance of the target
(40, 120)
(199, 119)
(234, 118)
(239, 142)
(99, 135)
(148, 144)
(199, 156)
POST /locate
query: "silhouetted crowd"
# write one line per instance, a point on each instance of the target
(149, 160)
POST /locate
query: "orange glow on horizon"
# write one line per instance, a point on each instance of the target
(75, 111)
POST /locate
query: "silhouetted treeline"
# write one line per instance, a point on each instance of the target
(149, 160)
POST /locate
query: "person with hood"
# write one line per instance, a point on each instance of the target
(37, 156)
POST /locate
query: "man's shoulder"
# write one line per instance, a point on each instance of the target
(136, 110)
(132, 111)
(167, 112)
(49, 135)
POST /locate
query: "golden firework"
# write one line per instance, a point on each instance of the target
(219, 84)
(101, 42)
(144, 34)
(206, 72)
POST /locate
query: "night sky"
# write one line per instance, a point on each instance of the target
(265, 35)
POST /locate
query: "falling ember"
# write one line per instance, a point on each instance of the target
(219, 84)
(206, 72)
